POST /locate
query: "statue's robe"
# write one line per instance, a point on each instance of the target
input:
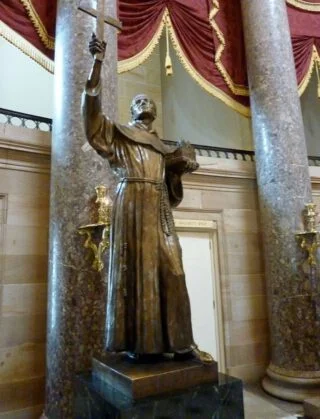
(148, 308)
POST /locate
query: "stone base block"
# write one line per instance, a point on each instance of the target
(291, 388)
(311, 408)
(222, 398)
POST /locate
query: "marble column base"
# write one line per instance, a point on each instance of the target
(292, 386)
(311, 408)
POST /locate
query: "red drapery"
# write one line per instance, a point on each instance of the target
(206, 34)
(30, 25)
(191, 33)
(305, 36)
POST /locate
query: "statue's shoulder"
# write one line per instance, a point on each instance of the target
(126, 130)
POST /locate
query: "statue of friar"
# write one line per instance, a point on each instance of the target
(148, 308)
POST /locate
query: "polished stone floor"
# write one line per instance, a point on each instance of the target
(259, 405)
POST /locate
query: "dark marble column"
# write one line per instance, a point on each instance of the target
(76, 296)
(284, 188)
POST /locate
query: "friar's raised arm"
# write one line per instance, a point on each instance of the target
(99, 129)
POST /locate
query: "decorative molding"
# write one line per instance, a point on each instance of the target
(24, 149)
(13, 144)
(25, 139)
(3, 222)
(32, 169)
(212, 182)
(195, 224)
(314, 172)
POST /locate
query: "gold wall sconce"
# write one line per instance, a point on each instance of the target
(309, 238)
(97, 235)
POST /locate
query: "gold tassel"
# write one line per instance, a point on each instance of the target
(168, 62)
(168, 65)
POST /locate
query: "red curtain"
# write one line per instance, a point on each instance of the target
(206, 34)
(305, 36)
(140, 22)
(34, 20)
(192, 36)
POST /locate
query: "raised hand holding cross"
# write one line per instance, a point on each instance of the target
(101, 20)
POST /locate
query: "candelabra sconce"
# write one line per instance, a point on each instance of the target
(309, 238)
(97, 235)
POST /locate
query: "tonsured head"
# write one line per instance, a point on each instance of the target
(143, 108)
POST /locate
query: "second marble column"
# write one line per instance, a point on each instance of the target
(284, 188)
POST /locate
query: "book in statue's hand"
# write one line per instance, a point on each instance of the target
(182, 159)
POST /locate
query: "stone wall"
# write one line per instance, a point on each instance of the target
(227, 189)
(24, 210)
(223, 190)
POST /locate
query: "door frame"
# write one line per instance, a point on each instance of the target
(211, 223)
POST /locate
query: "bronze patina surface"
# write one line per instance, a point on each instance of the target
(148, 308)
(139, 380)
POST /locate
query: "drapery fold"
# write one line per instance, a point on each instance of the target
(206, 35)
(143, 23)
(192, 37)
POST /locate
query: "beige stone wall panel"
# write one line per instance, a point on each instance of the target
(24, 188)
(228, 187)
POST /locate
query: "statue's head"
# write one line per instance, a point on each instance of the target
(143, 108)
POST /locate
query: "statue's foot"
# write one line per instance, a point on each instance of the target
(195, 353)
(202, 356)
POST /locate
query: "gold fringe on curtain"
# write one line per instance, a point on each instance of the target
(47, 40)
(314, 62)
(142, 56)
(305, 5)
(235, 88)
(17, 40)
(317, 66)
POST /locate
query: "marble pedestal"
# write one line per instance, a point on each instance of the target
(221, 398)
(151, 377)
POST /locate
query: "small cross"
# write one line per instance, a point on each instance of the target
(101, 19)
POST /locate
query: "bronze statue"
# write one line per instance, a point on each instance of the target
(148, 308)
